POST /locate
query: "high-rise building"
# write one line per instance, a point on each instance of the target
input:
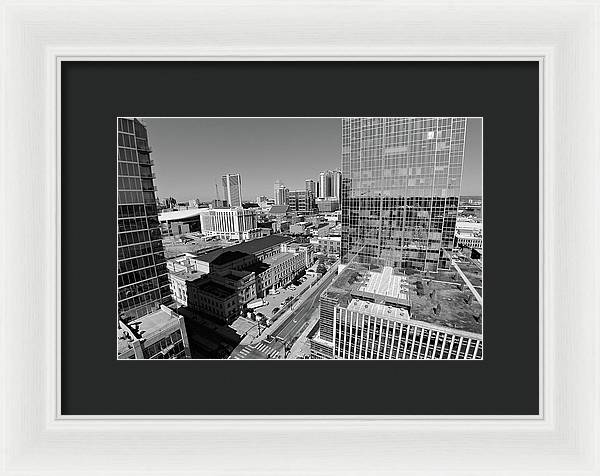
(142, 276)
(329, 184)
(336, 184)
(232, 189)
(324, 184)
(401, 181)
(311, 186)
(281, 193)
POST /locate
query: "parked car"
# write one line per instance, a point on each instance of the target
(275, 310)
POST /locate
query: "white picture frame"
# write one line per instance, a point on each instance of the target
(562, 36)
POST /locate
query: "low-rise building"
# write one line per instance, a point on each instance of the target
(158, 335)
(305, 249)
(300, 228)
(222, 294)
(178, 282)
(469, 233)
(225, 280)
(222, 260)
(283, 267)
(327, 244)
(178, 222)
(182, 262)
(330, 204)
(230, 223)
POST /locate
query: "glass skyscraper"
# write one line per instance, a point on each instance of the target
(143, 282)
(401, 181)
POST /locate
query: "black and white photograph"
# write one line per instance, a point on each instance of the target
(309, 238)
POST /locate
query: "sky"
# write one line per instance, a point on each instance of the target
(190, 155)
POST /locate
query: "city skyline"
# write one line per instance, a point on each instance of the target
(396, 272)
(192, 154)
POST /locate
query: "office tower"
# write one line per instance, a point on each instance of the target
(232, 189)
(324, 184)
(281, 193)
(301, 201)
(336, 184)
(311, 189)
(142, 276)
(401, 181)
(329, 184)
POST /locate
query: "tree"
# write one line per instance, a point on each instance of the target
(419, 286)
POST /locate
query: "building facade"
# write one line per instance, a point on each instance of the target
(301, 201)
(142, 276)
(336, 184)
(222, 294)
(327, 205)
(232, 189)
(311, 186)
(327, 244)
(280, 193)
(401, 180)
(230, 223)
(324, 184)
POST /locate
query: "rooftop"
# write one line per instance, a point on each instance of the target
(276, 209)
(456, 310)
(181, 214)
(146, 326)
(216, 289)
(380, 286)
(188, 275)
(250, 247)
(221, 257)
(277, 258)
(379, 310)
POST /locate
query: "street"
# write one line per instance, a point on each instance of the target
(296, 321)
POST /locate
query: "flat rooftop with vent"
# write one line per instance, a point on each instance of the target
(375, 290)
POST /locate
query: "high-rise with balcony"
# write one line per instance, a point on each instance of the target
(142, 276)
(232, 188)
(401, 180)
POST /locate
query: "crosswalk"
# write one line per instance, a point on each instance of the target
(260, 347)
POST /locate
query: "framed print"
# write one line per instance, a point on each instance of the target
(271, 239)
